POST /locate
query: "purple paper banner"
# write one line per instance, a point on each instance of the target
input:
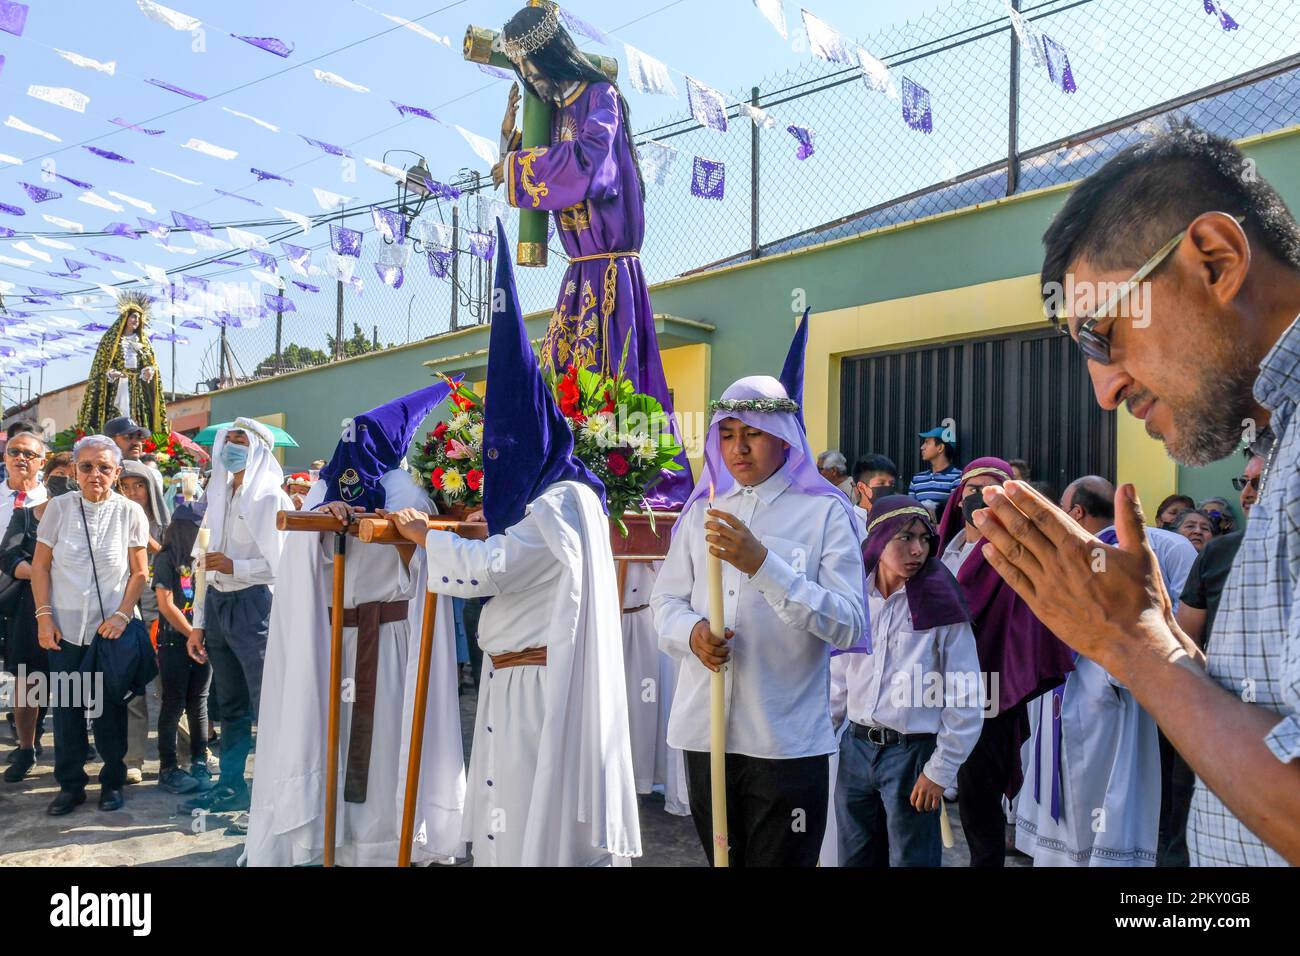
(805, 137)
(390, 223)
(35, 300)
(39, 193)
(176, 89)
(12, 210)
(482, 244)
(13, 17)
(192, 324)
(106, 256)
(64, 275)
(579, 25)
(267, 262)
(121, 229)
(109, 154)
(76, 266)
(299, 256)
(37, 290)
(708, 179)
(345, 241)
(1058, 65)
(6, 232)
(306, 286)
(707, 105)
(436, 189)
(496, 71)
(76, 182)
(269, 44)
(228, 320)
(439, 263)
(94, 327)
(117, 120)
(391, 276)
(230, 262)
(201, 226)
(262, 176)
(278, 303)
(916, 106)
(1225, 19)
(328, 147)
(415, 111)
(235, 196)
(159, 230)
(196, 282)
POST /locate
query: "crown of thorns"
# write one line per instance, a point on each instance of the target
(537, 37)
(754, 405)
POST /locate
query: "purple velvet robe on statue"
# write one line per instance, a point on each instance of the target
(588, 179)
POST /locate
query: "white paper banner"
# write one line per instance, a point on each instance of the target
(647, 74)
(131, 200)
(303, 222)
(265, 277)
(69, 99)
(483, 147)
(163, 172)
(877, 74)
(94, 199)
(657, 161)
(168, 17)
(341, 267)
(10, 160)
(330, 201)
(826, 42)
(761, 118)
(416, 28)
(262, 123)
(1030, 37)
(27, 250)
(13, 122)
(246, 240)
(333, 79)
(86, 63)
(20, 263)
(210, 243)
(391, 172)
(55, 244)
(208, 149)
(774, 13)
(62, 223)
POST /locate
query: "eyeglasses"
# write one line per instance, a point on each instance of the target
(1095, 345)
(87, 468)
(1242, 483)
(23, 454)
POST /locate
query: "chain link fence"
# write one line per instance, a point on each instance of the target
(1001, 125)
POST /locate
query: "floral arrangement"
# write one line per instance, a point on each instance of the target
(621, 434)
(449, 461)
(173, 453)
(64, 440)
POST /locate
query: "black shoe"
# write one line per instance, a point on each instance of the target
(20, 766)
(13, 754)
(221, 799)
(110, 798)
(66, 802)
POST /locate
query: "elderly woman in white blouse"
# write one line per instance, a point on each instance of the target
(88, 571)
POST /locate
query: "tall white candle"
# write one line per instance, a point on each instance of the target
(200, 576)
(717, 711)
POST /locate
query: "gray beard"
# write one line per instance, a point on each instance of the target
(1218, 414)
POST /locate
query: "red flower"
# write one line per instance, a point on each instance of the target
(150, 445)
(462, 402)
(608, 407)
(474, 479)
(570, 397)
(617, 464)
(440, 431)
(437, 478)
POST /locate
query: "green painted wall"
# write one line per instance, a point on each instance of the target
(751, 306)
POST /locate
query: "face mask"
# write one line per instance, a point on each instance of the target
(880, 492)
(58, 485)
(234, 457)
(971, 504)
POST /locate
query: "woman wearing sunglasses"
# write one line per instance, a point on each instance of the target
(87, 574)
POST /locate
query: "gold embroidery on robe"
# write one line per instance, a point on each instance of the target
(527, 182)
(573, 339)
(576, 218)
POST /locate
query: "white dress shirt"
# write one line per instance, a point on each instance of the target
(913, 682)
(958, 550)
(114, 525)
(805, 599)
(239, 545)
(9, 498)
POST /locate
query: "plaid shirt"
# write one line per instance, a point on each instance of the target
(1255, 651)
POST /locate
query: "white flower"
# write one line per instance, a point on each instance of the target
(600, 429)
(453, 482)
(644, 448)
(458, 421)
(476, 435)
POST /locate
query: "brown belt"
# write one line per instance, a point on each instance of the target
(366, 618)
(635, 610)
(529, 657)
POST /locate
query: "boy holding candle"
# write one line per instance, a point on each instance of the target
(914, 704)
(791, 590)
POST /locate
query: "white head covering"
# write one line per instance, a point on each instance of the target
(261, 497)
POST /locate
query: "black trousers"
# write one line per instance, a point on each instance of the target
(776, 809)
(235, 630)
(1177, 781)
(184, 690)
(982, 782)
(68, 695)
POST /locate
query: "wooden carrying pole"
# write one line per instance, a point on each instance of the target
(416, 752)
(336, 691)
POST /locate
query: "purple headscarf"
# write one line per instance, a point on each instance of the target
(1028, 658)
(781, 422)
(933, 595)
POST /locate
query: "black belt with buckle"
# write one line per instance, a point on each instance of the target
(884, 737)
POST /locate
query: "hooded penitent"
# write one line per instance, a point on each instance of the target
(933, 595)
(792, 371)
(1013, 644)
(148, 407)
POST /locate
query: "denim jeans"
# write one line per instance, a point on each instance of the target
(878, 826)
(235, 630)
(70, 739)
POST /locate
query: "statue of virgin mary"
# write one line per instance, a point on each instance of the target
(124, 377)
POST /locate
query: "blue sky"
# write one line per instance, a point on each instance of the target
(725, 43)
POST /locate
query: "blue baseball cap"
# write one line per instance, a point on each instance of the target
(935, 433)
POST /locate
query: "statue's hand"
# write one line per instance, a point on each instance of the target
(114, 375)
(147, 373)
